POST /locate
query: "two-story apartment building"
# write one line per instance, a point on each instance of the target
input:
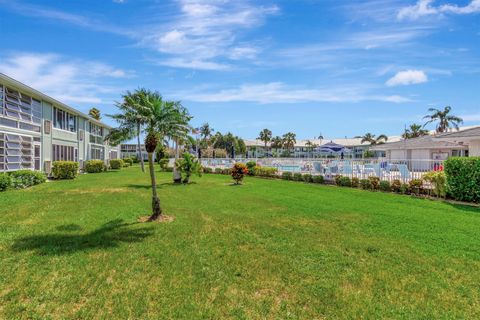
(36, 130)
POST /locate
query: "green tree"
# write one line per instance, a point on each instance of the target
(415, 131)
(443, 118)
(265, 136)
(289, 141)
(374, 140)
(130, 120)
(95, 113)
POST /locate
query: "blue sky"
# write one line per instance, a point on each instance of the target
(339, 68)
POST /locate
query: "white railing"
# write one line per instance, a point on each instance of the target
(403, 170)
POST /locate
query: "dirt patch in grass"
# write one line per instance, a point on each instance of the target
(162, 219)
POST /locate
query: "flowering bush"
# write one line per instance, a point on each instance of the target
(238, 172)
(438, 180)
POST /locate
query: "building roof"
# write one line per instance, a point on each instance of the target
(23, 87)
(426, 142)
(473, 132)
(347, 142)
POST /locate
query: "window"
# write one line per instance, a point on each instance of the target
(96, 153)
(96, 134)
(64, 153)
(21, 107)
(15, 152)
(64, 120)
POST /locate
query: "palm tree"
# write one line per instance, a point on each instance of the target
(444, 118)
(415, 131)
(206, 132)
(374, 140)
(130, 120)
(162, 119)
(265, 136)
(289, 140)
(95, 113)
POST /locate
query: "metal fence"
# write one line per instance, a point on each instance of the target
(403, 170)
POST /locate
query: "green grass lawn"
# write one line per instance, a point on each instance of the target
(268, 249)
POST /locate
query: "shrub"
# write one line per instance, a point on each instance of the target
(207, 170)
(126, 164)
(238, 172)
(5, 181)
(251, 167)
(344, 182)
(65, 169)
(438, 180)
(26, 178)
(218, 170)
(116, 164)
(355, 182)
(164, 163)
(94, 166)
(415, 186)
(267, 172)
(384, 185)
(396, 185)
(365, 184)
(307, 177)
(287, 175)
(374, 182)
(227, 171)
(188, 165)
(128, 160)
(404, 188)
(169, 169)
(297, 176)
(318, 179)
(463, 178)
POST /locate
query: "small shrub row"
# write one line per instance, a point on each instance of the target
(266, 172)
(95, 166)
(302, 177)
(65, 169)
(116, 164)
(21, 179)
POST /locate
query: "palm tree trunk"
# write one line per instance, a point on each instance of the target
(140, 154)
(177, 177)
(156, 209)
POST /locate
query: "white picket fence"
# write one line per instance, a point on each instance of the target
(403, 170)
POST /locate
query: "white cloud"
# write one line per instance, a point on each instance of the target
(205, 33)
(67, 80)
(407, 77)
(426, 8)
(277, 92)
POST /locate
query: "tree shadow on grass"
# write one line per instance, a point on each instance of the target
(466, 207)
(164, 184)
(110, 235)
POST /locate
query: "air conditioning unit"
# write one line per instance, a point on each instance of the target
(48, 167)
(47, 127)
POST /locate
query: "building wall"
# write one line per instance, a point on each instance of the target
(46, 140)
(474, 148)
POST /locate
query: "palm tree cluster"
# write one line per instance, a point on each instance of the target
(145, 111)
(415, 131)
(287, 141)
(373, 139)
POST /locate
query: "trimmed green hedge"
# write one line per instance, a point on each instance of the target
(26, 178)
(65, 169)
(94, 166)
(128, 160)
(116, 164)
(463, 178)
(267, 172)
(5, 181)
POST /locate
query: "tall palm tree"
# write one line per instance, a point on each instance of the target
(444, 118)
(415, 131)
(289, 140)
(206, 132)
(374, 140)
(130, 120)
(162, 119)
(265, 136)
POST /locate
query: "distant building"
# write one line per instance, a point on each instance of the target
(469, 138)
(312, 148)
(129, 150)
